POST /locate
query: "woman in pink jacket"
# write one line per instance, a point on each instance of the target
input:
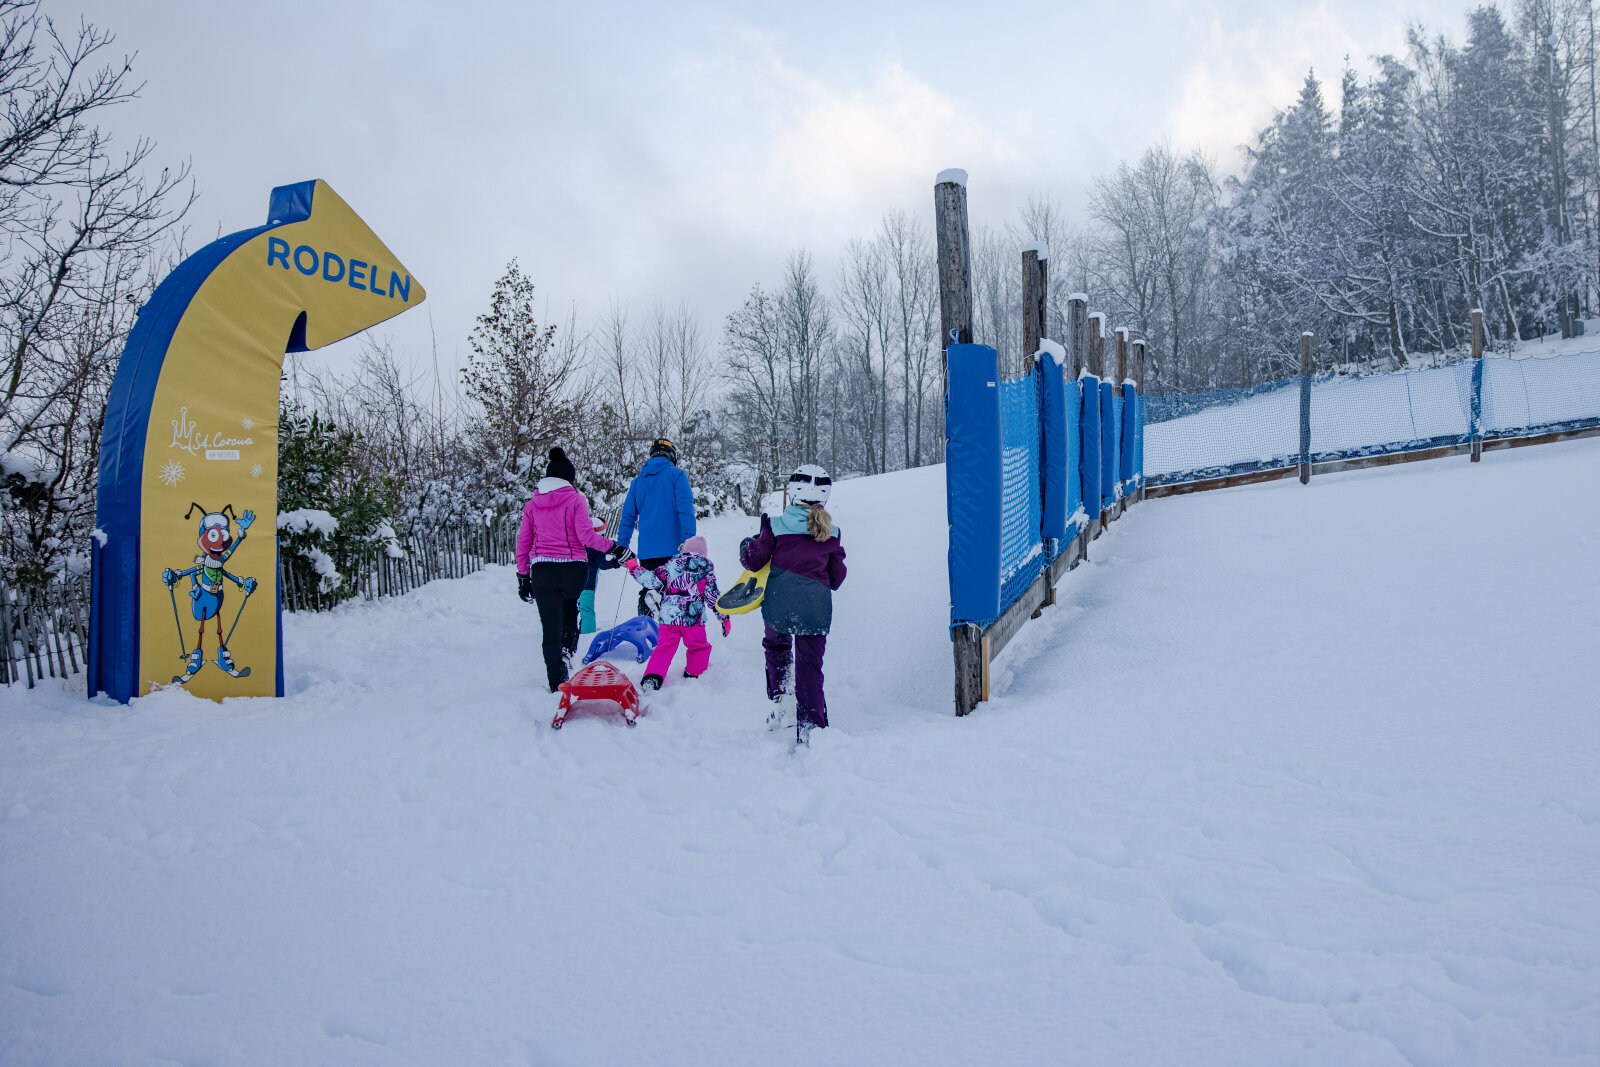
(551, 563)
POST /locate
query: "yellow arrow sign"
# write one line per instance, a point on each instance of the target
(187, 510)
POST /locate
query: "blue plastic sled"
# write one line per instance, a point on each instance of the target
(640, 631)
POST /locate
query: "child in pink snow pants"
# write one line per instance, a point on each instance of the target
(688, 586)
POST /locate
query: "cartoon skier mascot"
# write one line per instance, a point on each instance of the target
(217, 546)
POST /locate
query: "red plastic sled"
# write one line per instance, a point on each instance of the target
(598, 681)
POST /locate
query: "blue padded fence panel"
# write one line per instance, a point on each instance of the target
(1139, 440)
(1128, 441)
(1475, 416)
(1077, 517)
(1118, 470)
(1108, 445)
(972, 491)
(1021, 550)
(1053, 440)
(1089, 440)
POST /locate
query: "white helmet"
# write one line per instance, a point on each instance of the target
(810, 485)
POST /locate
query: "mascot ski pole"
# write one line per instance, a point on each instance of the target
(183, 650)
(242, 604)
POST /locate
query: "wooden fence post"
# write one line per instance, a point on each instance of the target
(1078, 325)
(1122, 359)
(1477, 385)
(1035, 314)
(1097, 344)
(1035, 299)
(1307, 351)
(955, 327)
(955, 259)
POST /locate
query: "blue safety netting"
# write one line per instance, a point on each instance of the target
(1364, 415)
(1541, 394)
(1205, 435)
(1022, 553)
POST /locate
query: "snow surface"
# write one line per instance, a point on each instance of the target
(953, 174)
(1041, 249)
(1293, 775)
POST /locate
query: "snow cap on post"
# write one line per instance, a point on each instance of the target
(1078, 296)
(1039, 248)
(954, 175)
(1098, 318)
(1054, 349)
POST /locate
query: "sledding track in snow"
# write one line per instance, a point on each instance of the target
(1293, 774)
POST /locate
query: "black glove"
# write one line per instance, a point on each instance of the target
(525, 587)
(620, 553)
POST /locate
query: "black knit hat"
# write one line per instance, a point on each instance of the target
(663, 447)
(560, 466)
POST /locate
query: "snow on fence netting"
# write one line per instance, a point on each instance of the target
(1189, 437)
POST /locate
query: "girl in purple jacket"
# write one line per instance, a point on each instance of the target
(807, 559)
(552, 565)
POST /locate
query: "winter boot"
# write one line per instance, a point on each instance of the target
(776, 716)
(651, 683)
(586, 612)
(197, 659)
(686, 674)
(225, 661)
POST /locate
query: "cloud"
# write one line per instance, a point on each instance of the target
(790, 154)
(1248, 64)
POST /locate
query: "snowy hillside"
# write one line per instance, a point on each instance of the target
(1295, 775)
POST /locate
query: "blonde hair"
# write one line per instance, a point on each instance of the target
(819, 523)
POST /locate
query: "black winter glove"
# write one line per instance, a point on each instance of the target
(525, 587)
(620, 553)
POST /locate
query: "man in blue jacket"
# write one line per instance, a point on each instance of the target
(661, 504)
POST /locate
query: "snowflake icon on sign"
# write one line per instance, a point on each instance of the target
(255, 471)
(171, 473)
(248, 423)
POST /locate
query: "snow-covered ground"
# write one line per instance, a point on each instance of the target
(1295, 775)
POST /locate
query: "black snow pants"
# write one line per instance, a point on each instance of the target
(556, 587)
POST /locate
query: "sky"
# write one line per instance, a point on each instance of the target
(637, 153)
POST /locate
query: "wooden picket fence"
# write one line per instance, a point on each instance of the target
(372, 572)
(46, 631)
